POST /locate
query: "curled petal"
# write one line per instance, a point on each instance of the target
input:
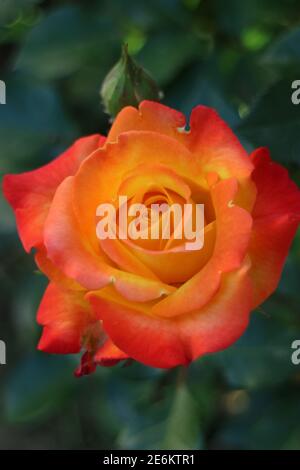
(138, 289)
(109, 354)
(209, 138)
(178, 264)
(150, 116)
(126, 259)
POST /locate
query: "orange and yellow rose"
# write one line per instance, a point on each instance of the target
(159, 304)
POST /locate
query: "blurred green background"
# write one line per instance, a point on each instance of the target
(237, 56)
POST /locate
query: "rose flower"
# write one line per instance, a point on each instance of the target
(154, 301)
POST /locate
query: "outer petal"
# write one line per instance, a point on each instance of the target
(30, 194)
(276, 216)
(209, 137)
(150, 116)
(216, 145)
(65, 316)
(46, 266)
(161, 342)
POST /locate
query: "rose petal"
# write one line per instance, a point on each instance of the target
(209, 137)
(109, 354)
(30, 194)
(65, 315)
(276, 216)
(68, 248)
(161, 342)
(177, 264)
(125, 259)
(150, 116)
(46, 266)
(232, 239)
(147, 175)
(216, 145)
(101, 175)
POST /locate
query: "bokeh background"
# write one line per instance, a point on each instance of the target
(239, 57)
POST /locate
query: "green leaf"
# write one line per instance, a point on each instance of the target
(285, 51)
(152, 411)
(270, 421)
(32, 119)
(175, 50)
(262, 357)
(182, 427)
(199, 86)
(128, 394)
(64, 40)
(274, 122)
(36, 387)
(11, 9)
(242, 14)
(289, 284)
